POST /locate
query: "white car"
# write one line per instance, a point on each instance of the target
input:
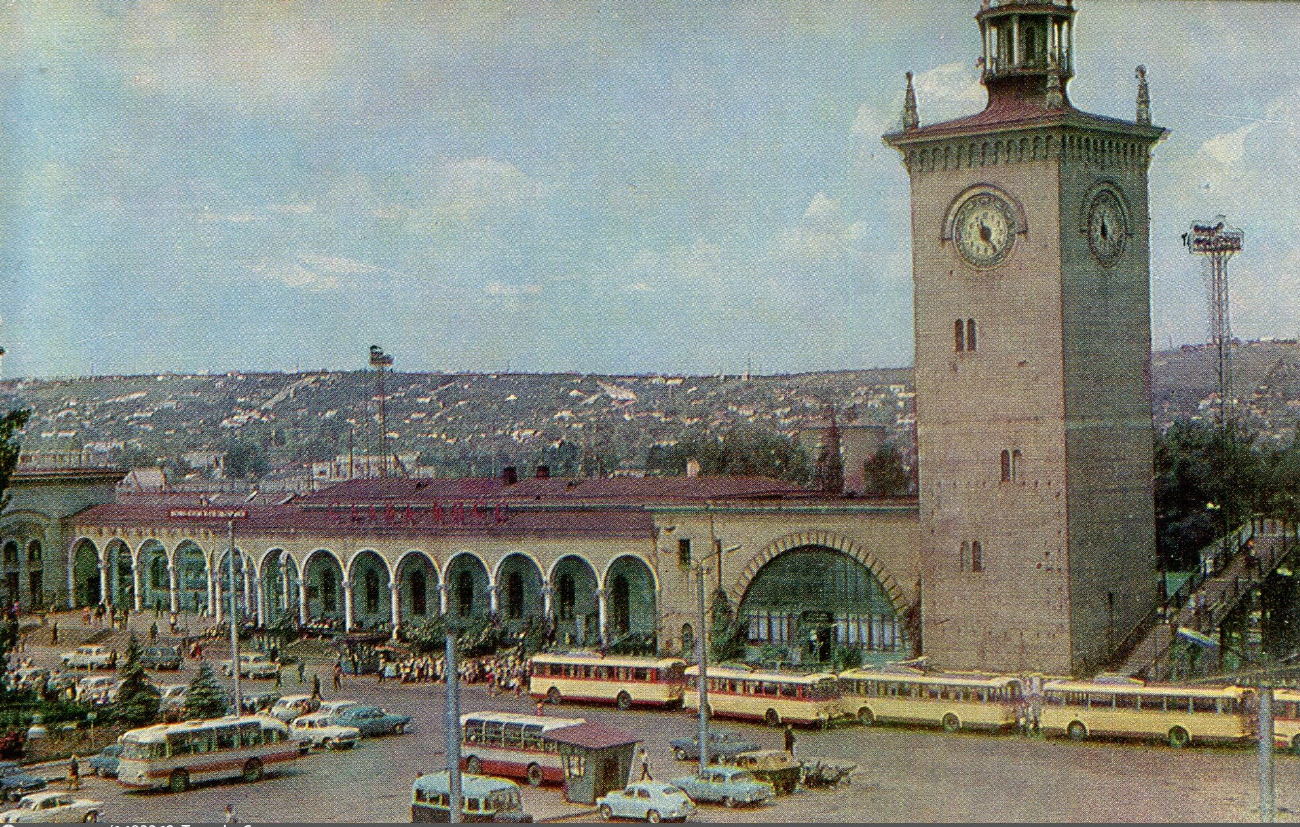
(335, 707)
(97, 687)
(291, 706)
(89, 657)
(317, 730)
(648, 800)
(42, 808)
(173, 695)
(254, 665)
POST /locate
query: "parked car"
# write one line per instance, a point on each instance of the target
(101, 688)
(648, 800)
(160, 657)
(14, 783)
(291, 706)
(773, 766)
(317, 730)
(335, 707)
(28, 676)
(257, 701)
(372, 720)
(43, 808)
(89, 657)
(729, 786)
(104, 764)
(172, 695)
(253, 665)
(723, 745)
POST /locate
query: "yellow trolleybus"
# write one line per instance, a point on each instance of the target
(620, 680)
(1132, 709)
(913, 697)
(771, 697)
(1286, 719)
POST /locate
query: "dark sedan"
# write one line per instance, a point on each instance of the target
(372, 720)
(160, 657)
(105, 763)
(14, 783)
(722, 745)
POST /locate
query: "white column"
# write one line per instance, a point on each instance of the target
(603, 616)
(104, 596)
(284, 586)
(135, 584)
(347, 605)
(492, 599)
(302, 601)
(442, 598)
(173, 599)
(72, 583)
(212, 584)
(250, 586)
(218, 605)
(547, 595)
(395, 605)
(261, 603)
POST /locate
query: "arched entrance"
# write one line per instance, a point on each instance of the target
(467, 583)
(121, 584)
(630, 601)
(191, 577)
(323, 574)
(814, 604)
(155, 588)
(85, 575)
(279, 588)
(222, 576)
(519, 590)
(574, 604)
(35, 576)
(9, 583)
(417, 579)
(371, 608)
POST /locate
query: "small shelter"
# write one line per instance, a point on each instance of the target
(597, 760)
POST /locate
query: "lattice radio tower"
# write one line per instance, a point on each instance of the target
(1217, 242)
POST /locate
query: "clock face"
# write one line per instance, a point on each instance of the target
(985, 229)
(1107, 227)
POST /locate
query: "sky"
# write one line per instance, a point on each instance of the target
(626, 187)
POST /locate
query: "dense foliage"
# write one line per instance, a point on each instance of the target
(741, 451)
(206, 697)
(885, 475)
(137, 698)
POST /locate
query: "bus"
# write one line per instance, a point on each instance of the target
(774, 698)
(1286, 719)
(508, 743)
(481, 799)
(623, 681)
(913, 697)
(1133, 709)
(172, 756)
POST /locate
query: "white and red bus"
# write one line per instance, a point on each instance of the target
(624, 681)
(173, 756)
(774, 698)
(511, 744)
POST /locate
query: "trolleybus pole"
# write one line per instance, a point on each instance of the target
(702, 660)
(452, 679)
(234, 626)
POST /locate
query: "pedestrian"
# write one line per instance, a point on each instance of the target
(278, 679)
(789, 740)
(383, 665)
(228, 814)
(315, 686)
(539, 708)
(153, 632)
(74, 774)
(338, 676)
(171, 621)
(112, 658)
(645, 763)
(302, 669)
(54, 633)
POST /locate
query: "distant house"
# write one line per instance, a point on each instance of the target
(213, 462)
(143, 480)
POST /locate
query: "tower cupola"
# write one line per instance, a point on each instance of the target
(1028, 49)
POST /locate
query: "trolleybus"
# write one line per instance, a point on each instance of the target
(1286, 719)
(951, 701)
(174, 755)
(508, 743)
(1132, 709)
(620, 680)
(772, 697)
(481, 799)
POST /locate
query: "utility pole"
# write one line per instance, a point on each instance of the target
(452, 725)
(701, 657)
(380, 360)
(234, 626)
(1218, 243)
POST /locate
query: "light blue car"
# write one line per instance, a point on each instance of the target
(730, 786)
(649, 800)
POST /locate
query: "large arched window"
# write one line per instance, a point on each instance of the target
(371, 586)
(970, 335)
(1006, 466)
(465, 593)
(976, 556)
(959, 335)
(622, 616)
(418, 583)
(514, 595)
(567, 596)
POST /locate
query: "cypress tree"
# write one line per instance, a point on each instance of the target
(137, 698)
(206, 697)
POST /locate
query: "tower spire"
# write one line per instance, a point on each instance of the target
(1144, 98)
(1053, 97)
(911, 120)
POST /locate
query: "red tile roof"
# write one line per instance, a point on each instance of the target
(1006, 110)
(592, 736)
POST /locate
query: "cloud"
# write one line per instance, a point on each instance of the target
(948, 91)
(478, 183)
(823, 234)
(319, 274)
(496, 288)
(1228, 148)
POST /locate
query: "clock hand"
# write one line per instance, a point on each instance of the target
(986, 235)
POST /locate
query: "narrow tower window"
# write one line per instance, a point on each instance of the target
(976, 556)
(1006, 466)
(965, 555)
(970, 335)
(959, 335)
(1015, 464)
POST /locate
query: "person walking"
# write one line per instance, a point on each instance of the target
(302, 673)
(338, 676)
(644, 758)
(74, 774)
(315, 686)
(228, 814)
(54, 633)
(278, 677)
(789, 740)
(153, 632)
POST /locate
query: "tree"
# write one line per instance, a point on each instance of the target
(206, 697)
(884, 475)
(246, 460)
(10, 424)
(741, 451)
(137, 698)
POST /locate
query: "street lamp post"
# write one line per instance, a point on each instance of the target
(701, 657)
(452, 679)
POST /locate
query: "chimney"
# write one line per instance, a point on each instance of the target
(509, 476)
(692, 468)
(543, 472)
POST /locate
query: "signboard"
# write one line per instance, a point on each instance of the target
(207, 513)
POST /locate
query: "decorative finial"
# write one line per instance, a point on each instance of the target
(1144, 98)
(1053, 97)
(911, 120)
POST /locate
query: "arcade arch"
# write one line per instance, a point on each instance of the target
(519, 589)
(368, 578)
(417, 579)
(631, 599)
(84, 580)
(155, 582)
(279, 588)
(120, 571)
(190, 566)
(467, 586)
(575, 604)
(323, 575)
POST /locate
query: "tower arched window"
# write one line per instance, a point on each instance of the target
(976, 556)
(965, 555)
(959, 335)
(1006, 466)
(1016, 456)
(970, 335)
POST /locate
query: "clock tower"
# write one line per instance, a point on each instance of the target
(1031, 274)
